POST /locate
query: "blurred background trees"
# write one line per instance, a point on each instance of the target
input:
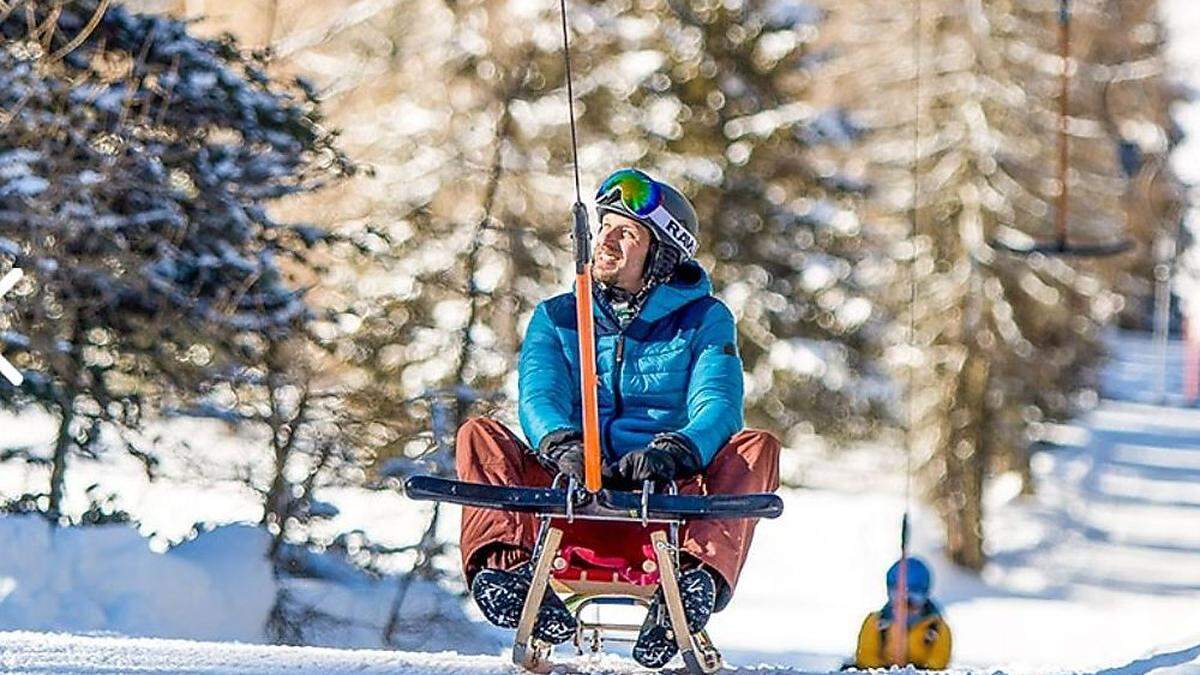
(791, 123)
(992, 345)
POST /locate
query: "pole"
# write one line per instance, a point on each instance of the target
(898, 631)
(1191, 366)
(1162, 309)
(587, 350)
(583, 298)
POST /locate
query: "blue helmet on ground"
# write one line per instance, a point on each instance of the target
(918, 576)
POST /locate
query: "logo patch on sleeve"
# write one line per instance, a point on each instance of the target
(730, 349)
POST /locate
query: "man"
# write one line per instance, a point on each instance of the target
(670, 400)
(927, 635)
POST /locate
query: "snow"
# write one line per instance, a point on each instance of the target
(24, 186)
(107, 579)
(57, 653)
(218, 586)
(1097, 573)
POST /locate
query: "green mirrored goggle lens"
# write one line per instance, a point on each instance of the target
(638, 192)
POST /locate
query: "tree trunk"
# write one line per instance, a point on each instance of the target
(58, 470)
(1025, 470)
(960, 498)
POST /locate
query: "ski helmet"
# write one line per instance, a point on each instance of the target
(664, 210)
(919, 578)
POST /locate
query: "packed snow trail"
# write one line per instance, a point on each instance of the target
(89, 655)
(54, 653)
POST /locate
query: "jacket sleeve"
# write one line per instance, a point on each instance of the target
(937, 640)
(544, 382)
(715, 390)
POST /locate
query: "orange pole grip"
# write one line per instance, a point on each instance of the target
(588, 381)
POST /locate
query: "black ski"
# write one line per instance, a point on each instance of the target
(694, 507)
(553, 501)
(549, 501)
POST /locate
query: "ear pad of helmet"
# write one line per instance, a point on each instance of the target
(661, 261)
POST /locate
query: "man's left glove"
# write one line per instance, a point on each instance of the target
(667, 457)
(562, 452)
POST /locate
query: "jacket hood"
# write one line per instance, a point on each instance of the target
(689, 283)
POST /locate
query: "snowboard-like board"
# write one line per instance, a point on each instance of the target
(553, 501)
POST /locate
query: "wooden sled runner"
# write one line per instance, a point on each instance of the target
(569, 558)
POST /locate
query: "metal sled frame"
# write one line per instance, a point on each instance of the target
(698, 652)
(554, 503)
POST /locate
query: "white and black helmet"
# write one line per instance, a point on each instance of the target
(665, 211)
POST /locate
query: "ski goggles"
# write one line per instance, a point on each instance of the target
(641, 197)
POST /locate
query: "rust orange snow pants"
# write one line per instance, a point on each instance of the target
(487, 452)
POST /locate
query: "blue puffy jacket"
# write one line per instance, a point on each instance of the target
(675, 368)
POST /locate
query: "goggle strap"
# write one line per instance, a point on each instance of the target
(674, 230)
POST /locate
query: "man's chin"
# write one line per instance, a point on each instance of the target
(605, 275)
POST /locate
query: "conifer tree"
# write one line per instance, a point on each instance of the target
(998, 342)
(138, 164)
(723, 107)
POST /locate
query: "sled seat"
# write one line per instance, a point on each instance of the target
(590, 588)
(606, 552)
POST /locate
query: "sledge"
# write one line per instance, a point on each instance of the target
(633, 553)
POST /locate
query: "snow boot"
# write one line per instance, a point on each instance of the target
(500, 595)
(656, 642)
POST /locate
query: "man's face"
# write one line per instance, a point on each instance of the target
(619, 257)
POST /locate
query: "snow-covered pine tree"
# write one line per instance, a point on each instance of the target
(138, 162)
(1120, 187)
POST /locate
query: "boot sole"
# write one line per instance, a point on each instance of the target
(655, 645)
(501, 596)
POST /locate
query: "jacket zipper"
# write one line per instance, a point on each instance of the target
(618, 360)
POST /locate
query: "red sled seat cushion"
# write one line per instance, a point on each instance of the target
(606, 552)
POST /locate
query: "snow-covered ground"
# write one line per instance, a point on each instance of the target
(1100, 566)
(1098, 573)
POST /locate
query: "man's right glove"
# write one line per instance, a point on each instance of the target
(667, 457)
(562, 451)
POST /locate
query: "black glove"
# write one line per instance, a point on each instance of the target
(562, 452)
(667, 457)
